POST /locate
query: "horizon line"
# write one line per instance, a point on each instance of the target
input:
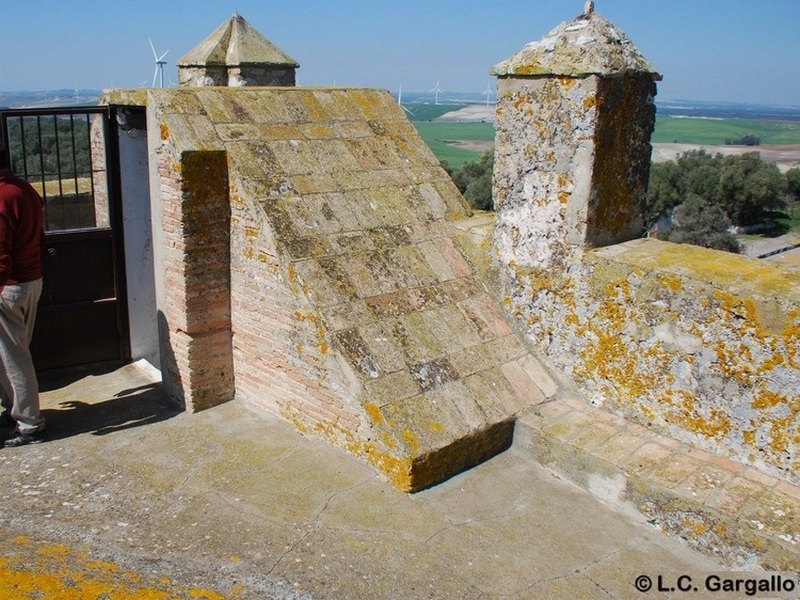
(72, 91)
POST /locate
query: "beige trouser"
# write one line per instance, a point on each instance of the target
(20, 389)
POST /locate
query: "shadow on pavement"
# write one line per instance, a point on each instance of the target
(99, 406)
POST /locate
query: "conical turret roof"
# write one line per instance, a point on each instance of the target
(233, 43)
(589, 44)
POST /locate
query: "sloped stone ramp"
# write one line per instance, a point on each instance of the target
(354, 313)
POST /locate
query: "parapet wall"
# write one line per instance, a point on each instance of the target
(701, 345)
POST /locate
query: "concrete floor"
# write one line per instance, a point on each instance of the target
(130, 497)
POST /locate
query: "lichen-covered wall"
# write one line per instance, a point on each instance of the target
(571, 165)
(622, 159)
(537, 161)
(695, 343)
(354, 315)
(282, 356)
(236, 76)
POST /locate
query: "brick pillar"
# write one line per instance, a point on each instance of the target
(194, 303)
(574, 117)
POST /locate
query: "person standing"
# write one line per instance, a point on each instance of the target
(21, 238)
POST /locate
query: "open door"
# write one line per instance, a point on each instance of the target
(68, 156)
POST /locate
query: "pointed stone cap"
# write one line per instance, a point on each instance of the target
(587, 45)
(236, 43)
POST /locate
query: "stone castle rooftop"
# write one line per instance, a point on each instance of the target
(344, 301)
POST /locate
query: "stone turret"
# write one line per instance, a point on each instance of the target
(574, 118)
(235, 55)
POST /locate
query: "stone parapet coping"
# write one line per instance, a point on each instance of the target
(735, 273)
(718, 506)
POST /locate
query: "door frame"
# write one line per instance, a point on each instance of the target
(107, 116)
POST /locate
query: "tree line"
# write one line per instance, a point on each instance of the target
(745, 140)
(45, 146)
(474, 180)
(696, 199)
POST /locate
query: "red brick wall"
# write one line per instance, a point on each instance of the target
(195, 310)
(281, 355)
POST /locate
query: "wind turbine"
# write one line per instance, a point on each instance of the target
(436, 91)
(158, 74)
(400, 102)
(488, 92)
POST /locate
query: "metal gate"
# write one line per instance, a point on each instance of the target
(71, 157)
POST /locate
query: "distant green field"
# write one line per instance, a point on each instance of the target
(420, 111)
(716, 131)
(668, 129)
(437, 134)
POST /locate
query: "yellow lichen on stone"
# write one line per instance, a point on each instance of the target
(43, 570)
(398, 470)
(716, 426)
(780, 432)
(606, 356)
(373, 412)
(767, 399)
(315, 112)
(411, 439)
(673, 283)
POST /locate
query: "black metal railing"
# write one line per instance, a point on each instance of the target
(60, 152)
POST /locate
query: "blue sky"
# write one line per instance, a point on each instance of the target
(717, 50)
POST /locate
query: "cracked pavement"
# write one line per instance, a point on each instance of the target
(233, 503)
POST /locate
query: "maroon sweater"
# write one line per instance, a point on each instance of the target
(21, 233)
